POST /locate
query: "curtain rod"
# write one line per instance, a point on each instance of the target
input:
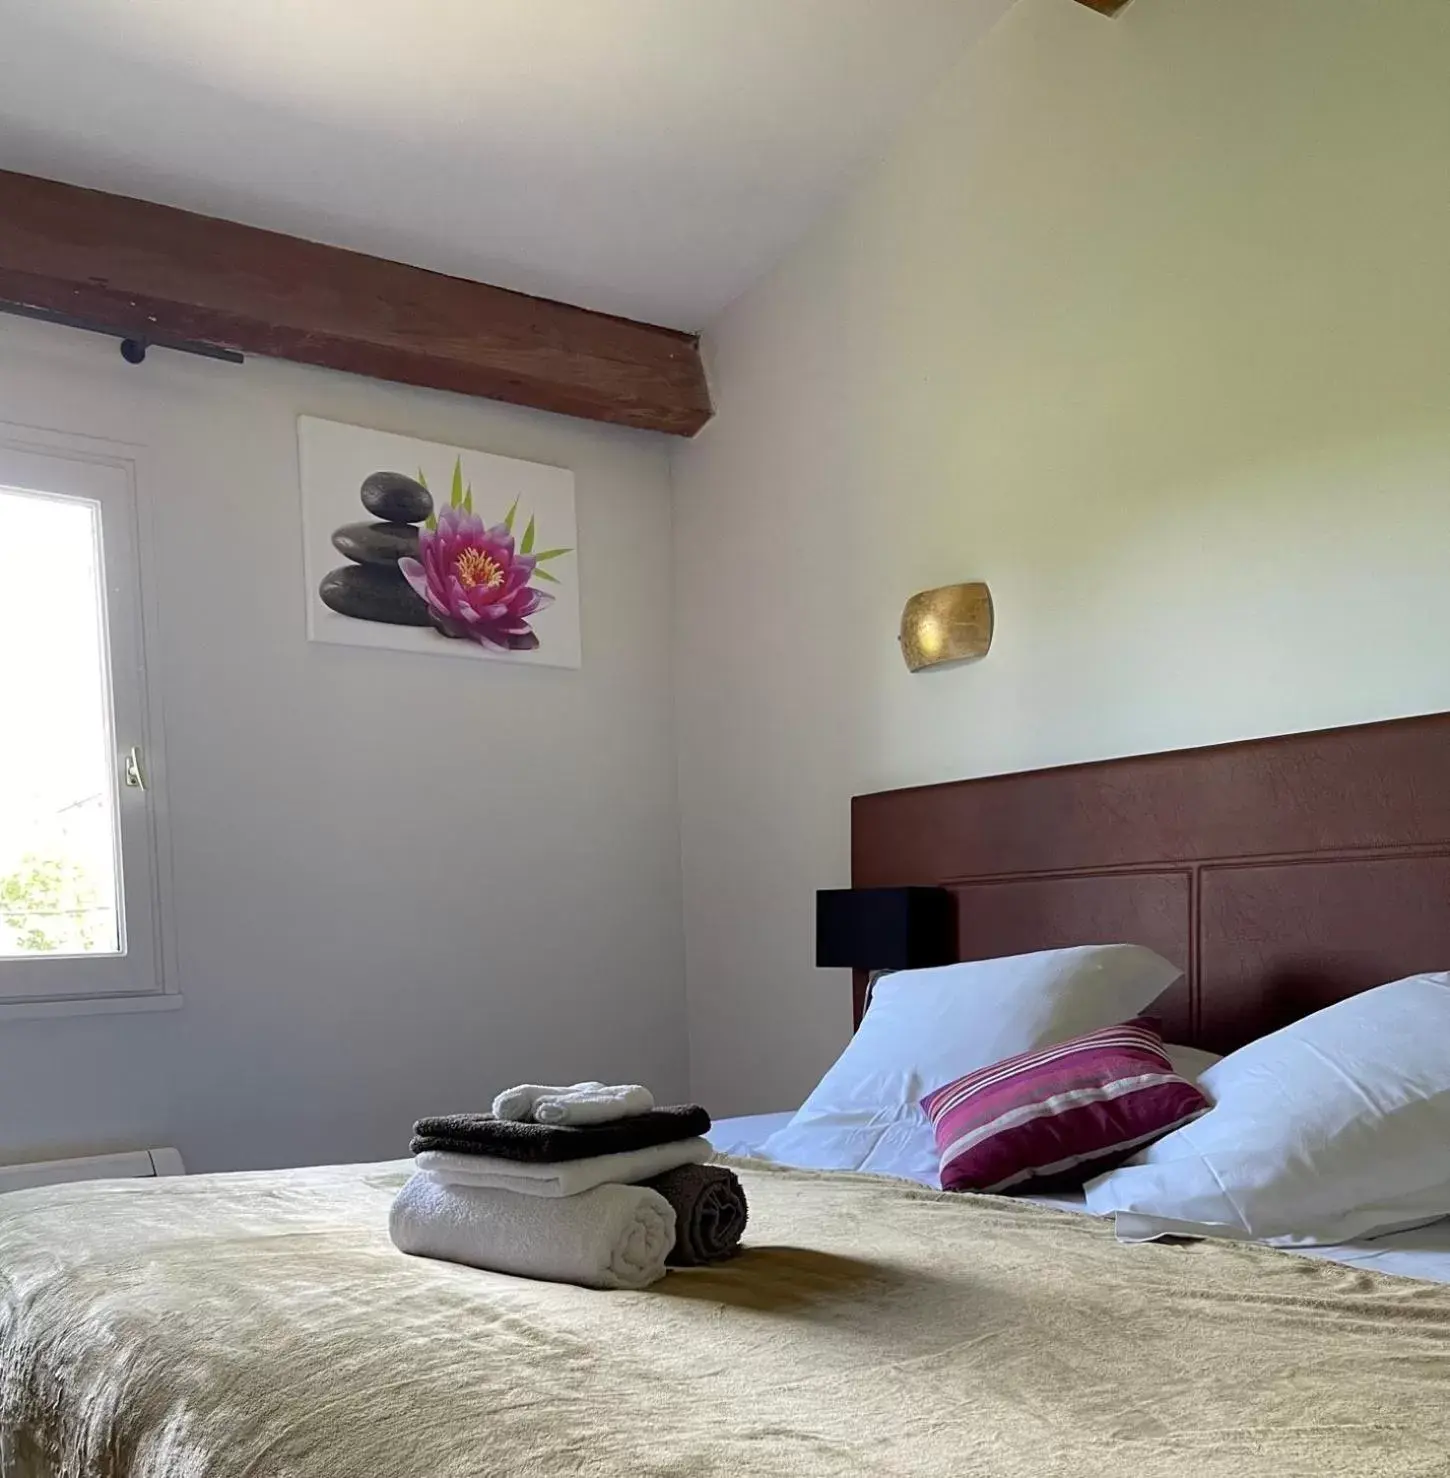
(133, 345)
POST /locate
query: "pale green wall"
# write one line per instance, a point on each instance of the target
(1145, 322)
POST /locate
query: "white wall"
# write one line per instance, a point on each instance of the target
(398, 881)
(1145, 322)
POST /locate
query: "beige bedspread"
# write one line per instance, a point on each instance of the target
(263, 1325)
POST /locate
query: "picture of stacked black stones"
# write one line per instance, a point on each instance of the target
(372, 588)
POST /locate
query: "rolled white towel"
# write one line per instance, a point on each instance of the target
(573, 1103)
(613, 1236)
(517, 1103)
(557, 1178)
(599, 1104)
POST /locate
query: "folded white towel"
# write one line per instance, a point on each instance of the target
(563, 1177)
(573, 1103)
(614, 1236)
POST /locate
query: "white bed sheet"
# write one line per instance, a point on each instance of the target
(1423, 1252)
(745, 1135)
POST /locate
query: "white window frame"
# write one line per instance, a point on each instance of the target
(140, 978)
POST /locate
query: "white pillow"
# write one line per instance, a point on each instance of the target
(1335, 1128)
(926, 1027)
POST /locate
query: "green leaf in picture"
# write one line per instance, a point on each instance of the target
(431, 522)
(422, 481)
(455, 498)
(552, 554)
(527, 547)
(508, 518)
(468, 499)
(545, 575)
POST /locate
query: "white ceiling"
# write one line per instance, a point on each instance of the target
(647, 157)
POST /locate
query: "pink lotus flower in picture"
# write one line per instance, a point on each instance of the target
(475, 581)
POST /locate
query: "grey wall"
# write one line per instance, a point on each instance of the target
(398, 881)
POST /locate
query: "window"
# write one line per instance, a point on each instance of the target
(78, 860)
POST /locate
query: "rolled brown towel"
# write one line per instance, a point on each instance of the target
(710, 1212)
(543, 1144)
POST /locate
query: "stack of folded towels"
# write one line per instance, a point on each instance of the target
(587, 1183)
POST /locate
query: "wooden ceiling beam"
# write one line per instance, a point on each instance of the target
(150, 271)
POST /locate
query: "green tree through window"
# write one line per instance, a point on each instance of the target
(46, 906)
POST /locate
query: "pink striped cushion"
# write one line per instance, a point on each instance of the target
(1059, 1115)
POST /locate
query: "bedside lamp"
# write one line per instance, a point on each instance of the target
(881, 929)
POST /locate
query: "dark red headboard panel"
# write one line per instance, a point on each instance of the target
(1281, 874)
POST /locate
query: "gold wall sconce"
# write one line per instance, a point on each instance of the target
(950, 624)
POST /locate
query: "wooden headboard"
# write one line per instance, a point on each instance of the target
(1280, 874)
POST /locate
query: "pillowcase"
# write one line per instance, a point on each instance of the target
(1054, 1117)
(926, 1026)
(1190, 1062)
(1332, 1129)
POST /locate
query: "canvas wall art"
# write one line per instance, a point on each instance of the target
(420, 547)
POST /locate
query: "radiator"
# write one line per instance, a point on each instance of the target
(129, 1165)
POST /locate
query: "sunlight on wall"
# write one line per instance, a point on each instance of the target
(1147, 324)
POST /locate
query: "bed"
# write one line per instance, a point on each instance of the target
(262, 1325)
(1420, 1252)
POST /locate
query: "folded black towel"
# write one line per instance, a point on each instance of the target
(542, 1144)
(710, 1212)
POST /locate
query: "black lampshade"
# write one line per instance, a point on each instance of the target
(885, 928)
